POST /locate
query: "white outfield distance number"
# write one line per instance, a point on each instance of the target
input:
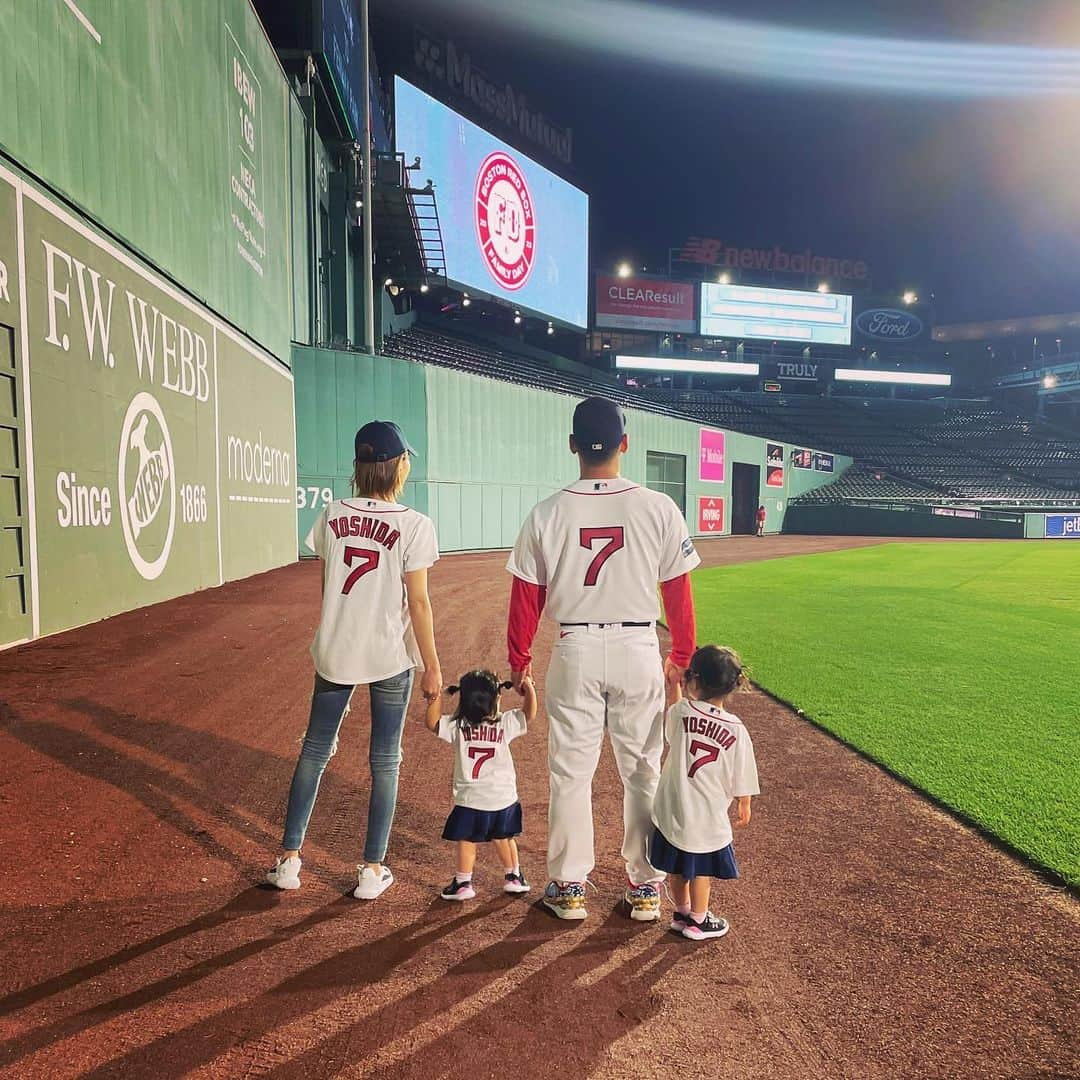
(314, 498)
(193, 504)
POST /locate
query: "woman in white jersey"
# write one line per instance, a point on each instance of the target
(710, 764)
(376, 628)
(486, 806)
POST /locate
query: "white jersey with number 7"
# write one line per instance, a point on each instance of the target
(367, 547)
(600, 547)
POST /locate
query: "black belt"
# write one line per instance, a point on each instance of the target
(567, 625)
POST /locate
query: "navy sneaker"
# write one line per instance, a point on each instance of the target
(709, 927)
(515, 883)
(678, 921)
(458, 890)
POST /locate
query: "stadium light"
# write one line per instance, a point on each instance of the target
(724, 278)
(823, 287)
(624, 269)
(1050, 382)
(465, 301)
(753, 49)
(697, 367)
(517, 318)
(909, 378)
(910, 298)
(551, 328)
(424, 287)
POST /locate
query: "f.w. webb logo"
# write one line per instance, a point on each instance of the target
(147, 486)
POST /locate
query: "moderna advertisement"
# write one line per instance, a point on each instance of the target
(511, 229)
(635, 303)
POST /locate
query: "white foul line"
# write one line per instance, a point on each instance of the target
(90, 28)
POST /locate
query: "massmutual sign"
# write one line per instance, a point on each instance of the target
(443, 66)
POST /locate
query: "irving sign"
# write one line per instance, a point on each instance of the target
(442, 63)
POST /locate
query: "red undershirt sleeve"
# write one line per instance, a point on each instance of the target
(526, 606)
(679, 606)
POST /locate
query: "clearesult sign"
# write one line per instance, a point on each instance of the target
(637, 303)
(883, 325)
(161, 453)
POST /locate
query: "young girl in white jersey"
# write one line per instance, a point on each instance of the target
(486, 803)
(710, 764)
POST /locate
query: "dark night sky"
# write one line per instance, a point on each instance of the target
(978, 202)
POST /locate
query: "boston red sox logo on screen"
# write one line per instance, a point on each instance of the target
(505, 221)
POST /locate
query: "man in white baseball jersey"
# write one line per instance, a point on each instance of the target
(593, 554)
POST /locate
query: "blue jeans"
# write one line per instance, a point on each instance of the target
(329, 704)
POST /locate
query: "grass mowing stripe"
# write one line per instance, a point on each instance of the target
(955, 665)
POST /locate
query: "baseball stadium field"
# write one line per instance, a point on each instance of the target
(953, 665)
(873, 934)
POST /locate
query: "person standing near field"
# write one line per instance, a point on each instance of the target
(592, 554)
(376, 628)
(759, 518)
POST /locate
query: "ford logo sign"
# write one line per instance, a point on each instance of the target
(888, 324)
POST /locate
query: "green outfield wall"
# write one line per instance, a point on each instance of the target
(170, 124)
(850, 519)
(489, 450)
(147, 449)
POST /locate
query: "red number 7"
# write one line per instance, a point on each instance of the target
(370, 561)
(708, 755)
(613, 534)
(480, 755)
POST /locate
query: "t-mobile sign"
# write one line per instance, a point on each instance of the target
(710, 515)
(711, 461)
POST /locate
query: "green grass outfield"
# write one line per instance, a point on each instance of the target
(955, 665)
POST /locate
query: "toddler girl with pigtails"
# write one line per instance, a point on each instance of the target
(486, 806)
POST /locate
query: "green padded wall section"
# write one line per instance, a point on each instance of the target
(336, 392)
(168, 123)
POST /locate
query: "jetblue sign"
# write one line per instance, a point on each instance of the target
(889, 324)
(1063, 526)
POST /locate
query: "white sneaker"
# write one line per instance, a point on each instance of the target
(286, 873)
(369, 884)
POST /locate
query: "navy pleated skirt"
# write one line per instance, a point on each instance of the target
(691, 864)
(479, 826)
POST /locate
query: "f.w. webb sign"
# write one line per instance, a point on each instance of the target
(442, 65)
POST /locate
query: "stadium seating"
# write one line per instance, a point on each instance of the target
(915, 451)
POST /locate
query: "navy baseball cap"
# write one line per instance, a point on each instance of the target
(599, 424)
(385, 439)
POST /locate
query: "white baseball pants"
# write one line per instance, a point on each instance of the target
(603, 675)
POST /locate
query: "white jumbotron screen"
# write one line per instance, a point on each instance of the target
(746, 311)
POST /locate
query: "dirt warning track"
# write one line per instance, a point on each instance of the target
(145, 766)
